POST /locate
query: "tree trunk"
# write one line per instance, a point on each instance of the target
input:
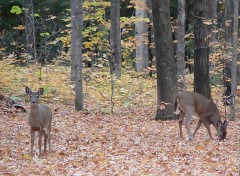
(30, 31)
(213, 17)
(201, 52)
(228, 46)
(76, 50)
(212, 28)
(141, 33)
(181, 45)
(228, 21)
(166, 66)
(151, 48)
(115, 39)
(234, 60)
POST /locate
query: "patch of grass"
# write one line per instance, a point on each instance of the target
(130, 91)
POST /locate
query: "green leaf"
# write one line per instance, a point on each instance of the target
(44, 34)
(16, 9)
(36, 15)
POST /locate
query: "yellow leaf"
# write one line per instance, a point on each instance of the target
(199, 147)
(27, 156)
(104, 162)
(100, 154)
(20, 154)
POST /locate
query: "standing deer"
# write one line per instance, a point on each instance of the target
(190, 103)
(39, 119)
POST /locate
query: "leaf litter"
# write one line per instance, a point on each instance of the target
(130, 143)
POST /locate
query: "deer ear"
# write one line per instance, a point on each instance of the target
(224, 125)
(40, 91)
(28, 90)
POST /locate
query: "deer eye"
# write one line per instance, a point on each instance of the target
(37, 96)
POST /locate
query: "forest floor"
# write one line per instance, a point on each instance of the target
(94, 142)
(89, 143)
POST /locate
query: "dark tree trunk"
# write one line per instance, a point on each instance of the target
(115, 39)
(30, 31)
(202, 49)
(228, 16)
(151, 39)
(166, 66)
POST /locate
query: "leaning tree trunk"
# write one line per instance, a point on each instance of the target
(181, 45)
(115, 39)
(141, 33)
(202, 49)
(76, 50)
(166, 66)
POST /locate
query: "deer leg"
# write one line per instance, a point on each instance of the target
(180, 128)
(32, 140)
(197, 127)
(180, 124)
(207, 125)
(187, 124)
(45, 141)
(49, 137)
(40, 140)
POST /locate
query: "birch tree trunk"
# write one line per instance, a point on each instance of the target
(141, 33)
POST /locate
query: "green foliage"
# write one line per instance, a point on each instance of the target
(44, 34)
(16, 9)
(48, 26)
(53, 22)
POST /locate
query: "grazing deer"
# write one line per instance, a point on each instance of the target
(190, 103)
(39, 119)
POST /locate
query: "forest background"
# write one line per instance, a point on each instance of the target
(123, 107)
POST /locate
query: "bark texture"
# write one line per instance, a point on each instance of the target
(76, 50)
(166, 66)
(115, 39)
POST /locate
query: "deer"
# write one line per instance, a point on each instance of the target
(39, 119)
(188, 104)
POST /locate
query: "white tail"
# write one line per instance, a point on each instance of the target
(39, 119)
(190, 103)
